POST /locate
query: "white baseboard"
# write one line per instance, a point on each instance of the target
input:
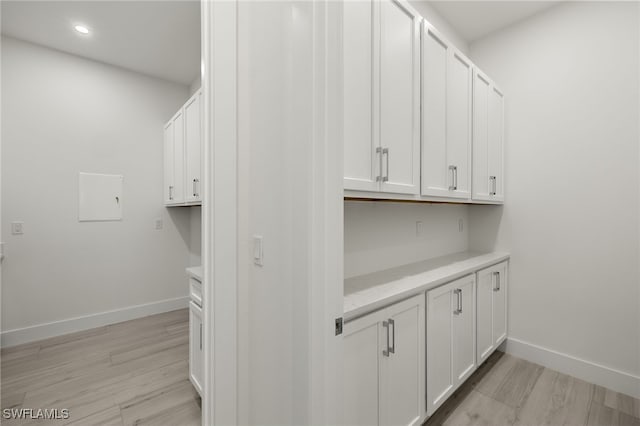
(615, 380)
(57, 328)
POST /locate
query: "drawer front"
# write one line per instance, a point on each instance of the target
(195, 291)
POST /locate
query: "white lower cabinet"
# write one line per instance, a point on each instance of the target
(196, 360)
(492, 309)
(451, 332)
(384, 380)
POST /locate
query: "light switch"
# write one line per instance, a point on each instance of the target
(418, 229)
(158, 223)
(258, 251)
(16, 228)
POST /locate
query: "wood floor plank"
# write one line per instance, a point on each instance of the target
(601, 415)
(146, 407)
(490, 383)
(516, 385)
(622, 402)
(556, 399)
(480, 410)
(141, 365)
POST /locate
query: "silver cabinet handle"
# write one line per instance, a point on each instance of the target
(387, 351)
(201, 336)
(494, 185)
(195, 187)
(458, 293)
(497, 277)
(454, 178)
(170, 192)
(385, 151)
(379, 152)
(392, 349)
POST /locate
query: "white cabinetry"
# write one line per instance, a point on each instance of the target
(196, 359)
(492, 309)
(381, 81)
(384, 380)
(450, 338)
(446, 118)
(488, 140)
(183, 155)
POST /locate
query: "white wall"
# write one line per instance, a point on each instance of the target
(381, 235)
(195, 239)
(571, 214)
(428, 12)
(62, 114)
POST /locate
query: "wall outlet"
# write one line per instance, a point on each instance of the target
(17, 228)
(158, 223)
(418, 229)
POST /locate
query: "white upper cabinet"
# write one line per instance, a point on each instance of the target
(400, 97)
(183, 155)
(193, 144)
(446, 118)
(174, 160)
(361, 165)
(381, 81)
(488, 140)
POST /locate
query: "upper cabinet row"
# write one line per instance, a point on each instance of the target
(183, 155)
(421, 121)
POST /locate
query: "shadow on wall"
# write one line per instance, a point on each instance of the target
(180, 217)
(484, 227)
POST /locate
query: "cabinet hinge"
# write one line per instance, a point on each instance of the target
(338, 326)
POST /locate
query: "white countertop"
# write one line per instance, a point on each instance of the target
(367, 293)
(195, 272)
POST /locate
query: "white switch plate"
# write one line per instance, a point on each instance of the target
(158, 223)
(460, 225)
(418, 229)
(17, 228)
(258, 251)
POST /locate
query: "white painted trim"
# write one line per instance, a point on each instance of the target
(220, 211)
(591, 372)
(71, 325)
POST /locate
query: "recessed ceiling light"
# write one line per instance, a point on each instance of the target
(81, 29)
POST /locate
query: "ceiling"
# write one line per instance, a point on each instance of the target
(476, 19)
(157, 38)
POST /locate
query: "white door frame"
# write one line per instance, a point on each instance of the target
(220, 215)
(219, 211)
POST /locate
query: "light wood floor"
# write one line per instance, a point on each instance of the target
(135, 372)
(511, 391)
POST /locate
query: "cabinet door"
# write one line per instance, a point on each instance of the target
(168, 163)
(464, 329)
(178, 158)
(436, 178)
(440, 384)
(361, 348)
(484, 331)
(400, 97)
(193, 147)
(402, 371)
(361, 161)
(495, 130)
(501, 281)
(481, 88)
(459, 95)
(446, 117)
(196, 360)
(488, 140)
